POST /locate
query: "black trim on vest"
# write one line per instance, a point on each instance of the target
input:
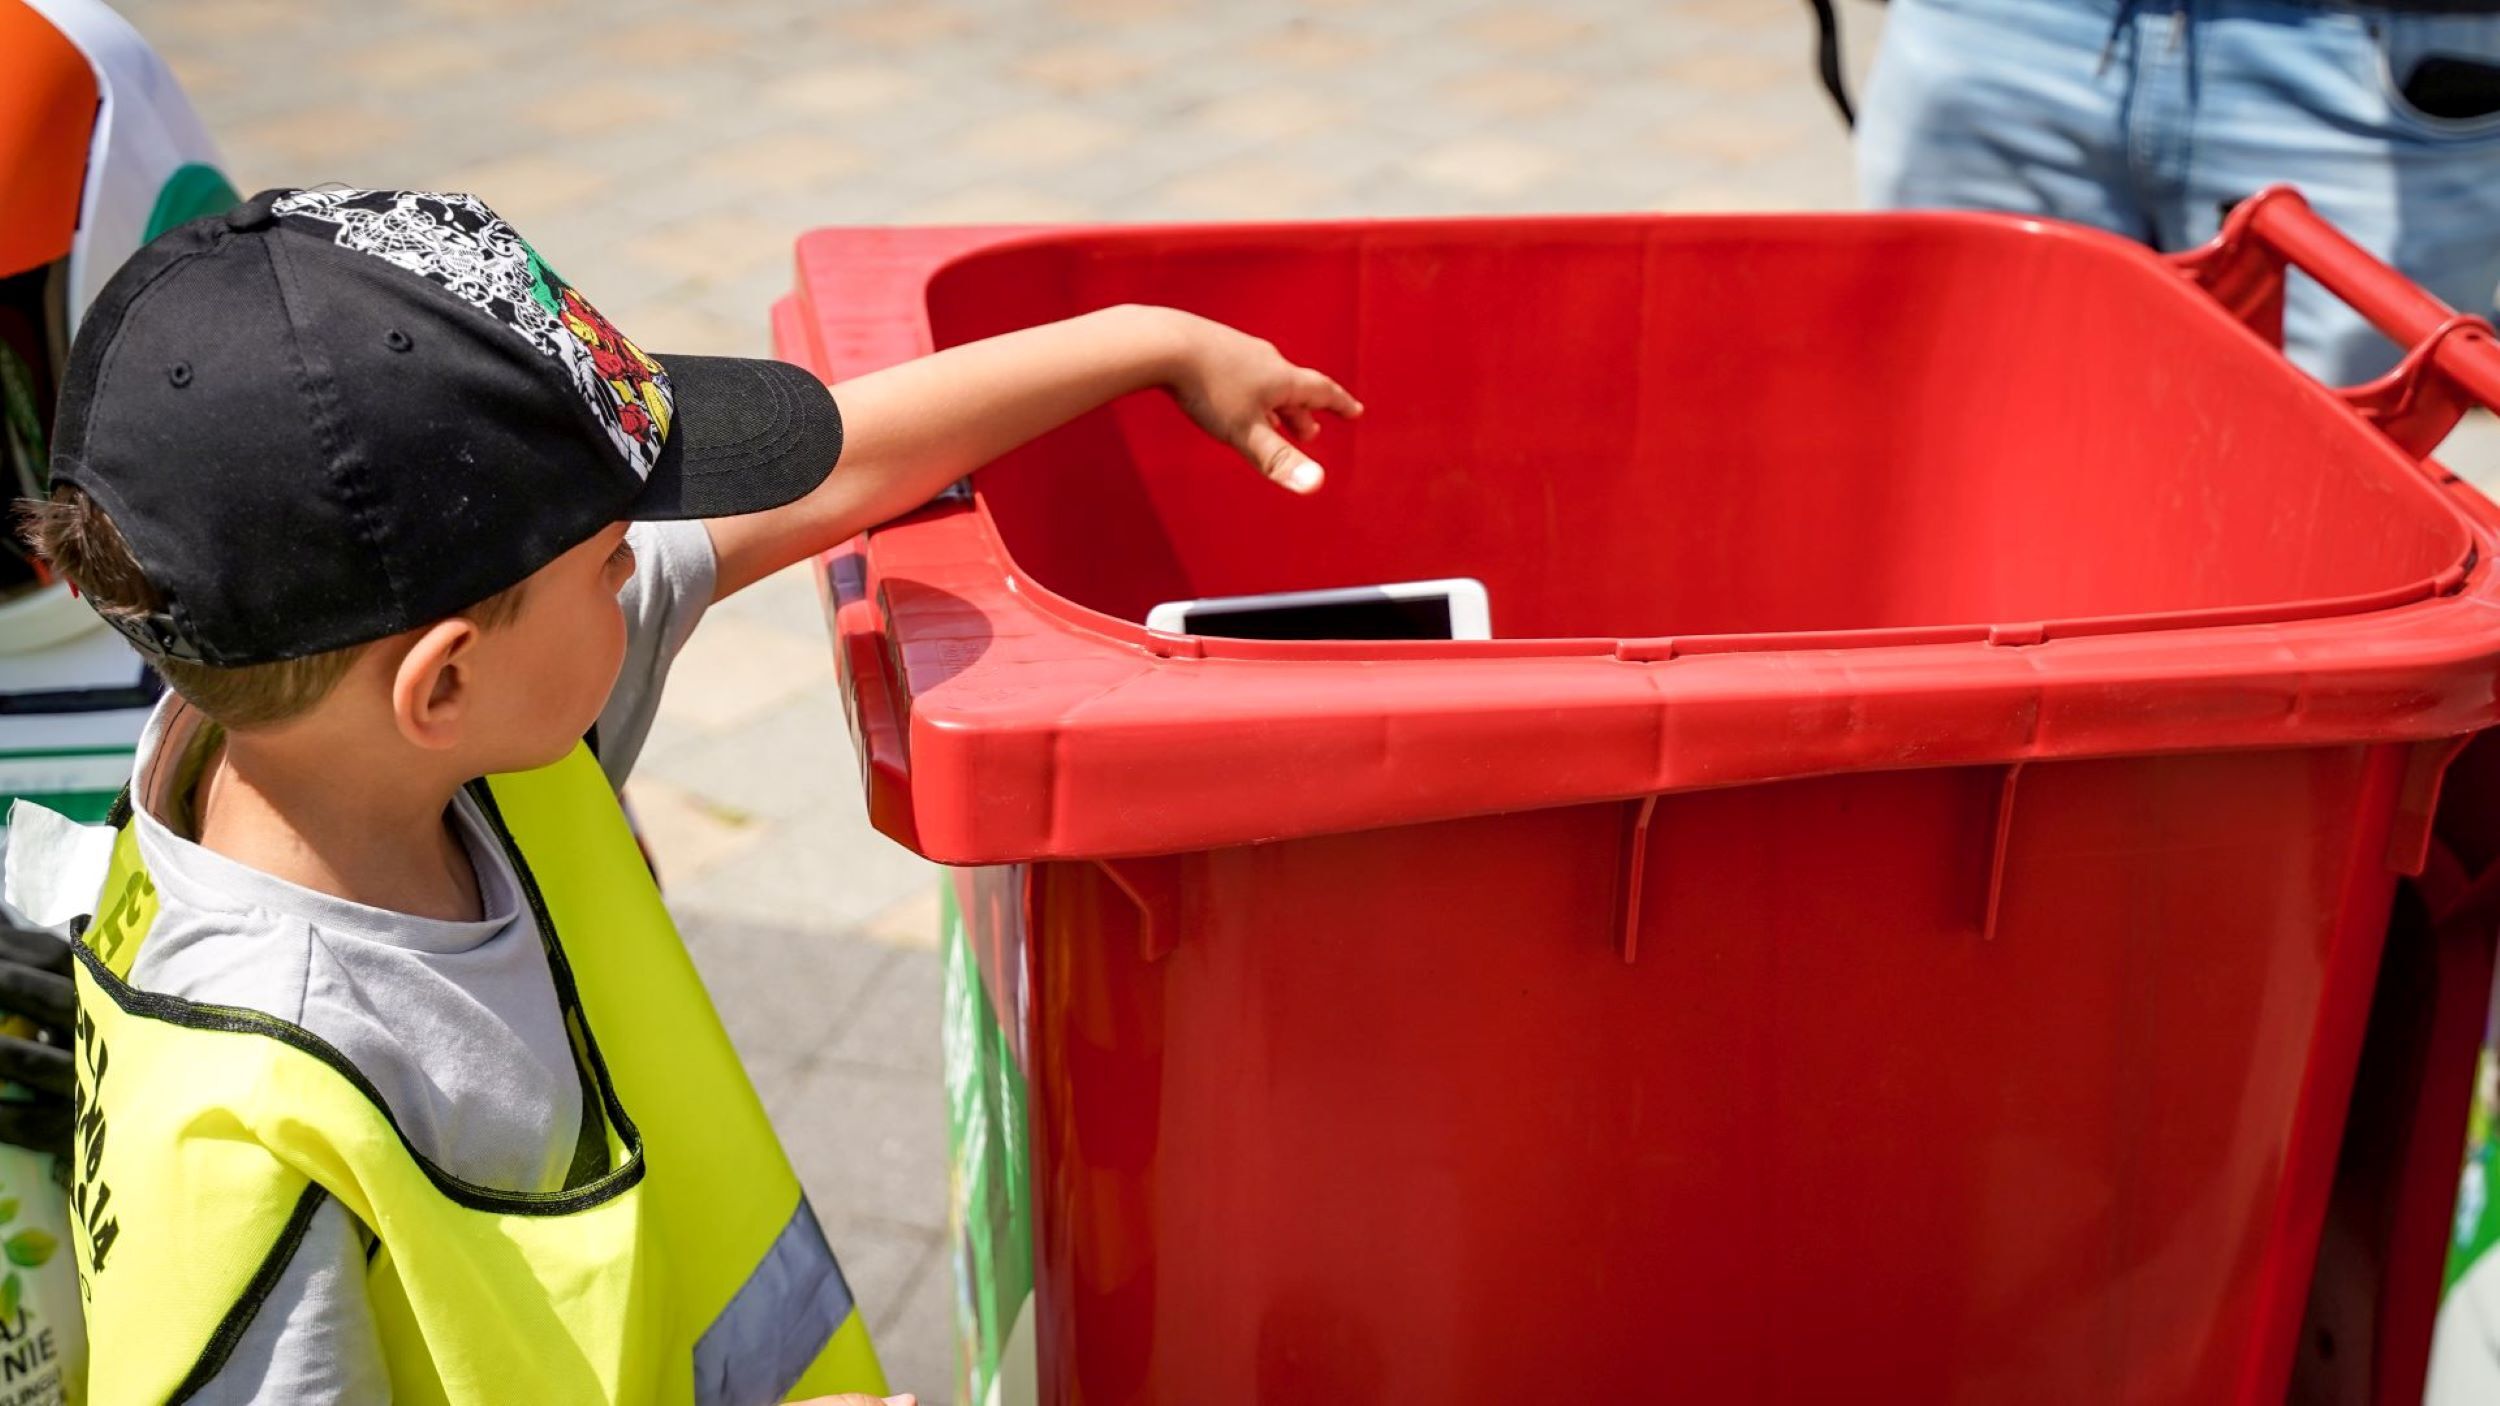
(568, 996)
(196, 1015)
(590, 1139)
(230, 1329)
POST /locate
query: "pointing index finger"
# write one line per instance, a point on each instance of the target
(1328, 395)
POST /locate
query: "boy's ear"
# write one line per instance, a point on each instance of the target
(431, 688)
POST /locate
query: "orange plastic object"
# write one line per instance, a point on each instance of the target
(1893, 915)
(47, 120)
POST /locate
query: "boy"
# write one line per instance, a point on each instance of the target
(393, 1077)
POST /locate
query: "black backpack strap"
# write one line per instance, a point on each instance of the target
(1827, 60)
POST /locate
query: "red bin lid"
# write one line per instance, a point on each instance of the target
(1009, 707)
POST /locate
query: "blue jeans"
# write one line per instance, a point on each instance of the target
(2148, 117)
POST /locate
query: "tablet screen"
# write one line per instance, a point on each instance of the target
(1367, 618)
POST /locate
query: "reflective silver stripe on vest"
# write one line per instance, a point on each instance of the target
(781, 1318)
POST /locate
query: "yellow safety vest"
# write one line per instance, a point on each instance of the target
(692, 1270)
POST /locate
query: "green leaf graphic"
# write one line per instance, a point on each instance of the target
(8, 1209)
(11, 1290)
(28, 1249)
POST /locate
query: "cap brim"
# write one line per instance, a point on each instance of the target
(744, 435)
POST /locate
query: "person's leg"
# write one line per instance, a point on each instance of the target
(2011, 105)
(2314, 96)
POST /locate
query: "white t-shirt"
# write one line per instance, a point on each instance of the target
(456, 1023)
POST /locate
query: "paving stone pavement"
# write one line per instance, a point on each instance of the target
(664, 155)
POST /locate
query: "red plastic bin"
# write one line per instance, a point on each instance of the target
(1894, 913)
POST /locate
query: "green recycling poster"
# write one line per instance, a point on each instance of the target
(2478, 1215)
(989, 1180)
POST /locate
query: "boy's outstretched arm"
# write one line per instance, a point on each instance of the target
(910, 430)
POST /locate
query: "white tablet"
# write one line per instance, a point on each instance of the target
(1452, 609)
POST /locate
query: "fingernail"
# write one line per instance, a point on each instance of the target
(1305, 477)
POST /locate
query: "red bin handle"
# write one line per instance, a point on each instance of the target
(881, 720)
(2452, 359)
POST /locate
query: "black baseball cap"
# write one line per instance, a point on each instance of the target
(328, 416)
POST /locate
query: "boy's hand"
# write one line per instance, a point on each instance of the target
(1244, 392)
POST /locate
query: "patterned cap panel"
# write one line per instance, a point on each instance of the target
(457, 243)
